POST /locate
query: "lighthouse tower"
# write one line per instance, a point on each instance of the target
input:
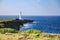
(20, 15)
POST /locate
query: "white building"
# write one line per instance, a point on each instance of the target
(20, 15)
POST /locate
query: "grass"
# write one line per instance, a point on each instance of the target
(31, 34)
(32, 31)
(7, 30)
(5, 19)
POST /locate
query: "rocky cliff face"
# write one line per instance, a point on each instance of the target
(14, 23)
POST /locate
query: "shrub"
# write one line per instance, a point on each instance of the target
(8, 30)
(32, 31)
(51, 36)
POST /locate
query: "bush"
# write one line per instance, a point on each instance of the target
(51, 36)
(8, 30)
(32, 31)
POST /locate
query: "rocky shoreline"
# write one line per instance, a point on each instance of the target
(14, 23)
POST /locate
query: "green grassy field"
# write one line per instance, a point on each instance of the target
(30, 34)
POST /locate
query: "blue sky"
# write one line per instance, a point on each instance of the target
(30, 7)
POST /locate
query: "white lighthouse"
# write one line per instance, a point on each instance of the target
(20, 15)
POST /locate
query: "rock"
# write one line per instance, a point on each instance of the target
(14, 23)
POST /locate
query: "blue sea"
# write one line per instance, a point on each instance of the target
(48, 24)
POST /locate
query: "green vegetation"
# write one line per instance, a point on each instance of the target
(31, 34)
(32, 31)
(7, 30)
(5, 19)
(1, 24)
(50, 36)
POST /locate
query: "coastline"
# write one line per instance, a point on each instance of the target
(30, 34)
